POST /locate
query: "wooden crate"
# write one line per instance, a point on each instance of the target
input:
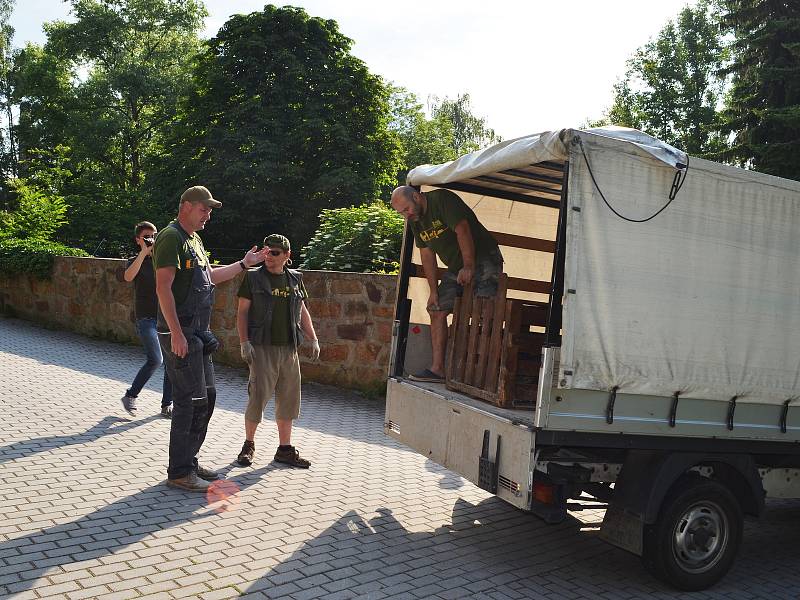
(492, 353)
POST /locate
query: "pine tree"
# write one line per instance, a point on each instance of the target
(763, 107)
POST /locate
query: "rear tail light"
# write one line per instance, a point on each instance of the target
(543, 492)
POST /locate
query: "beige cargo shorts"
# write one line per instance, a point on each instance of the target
(275, 370)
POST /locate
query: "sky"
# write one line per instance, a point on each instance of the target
(528, 65)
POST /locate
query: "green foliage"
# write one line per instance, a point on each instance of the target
(8, 149)
(470, 133)
(363, 239)
(284, 122)
(671, 89)
(32, 256)
(95, 104)
(423, 141)
(451, 131)
(763, 107)
(37, 216)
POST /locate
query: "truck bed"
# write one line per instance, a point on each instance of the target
(517, 416)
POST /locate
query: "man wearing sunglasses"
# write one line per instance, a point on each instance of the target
(272, 321)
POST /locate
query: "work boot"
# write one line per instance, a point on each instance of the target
(166, 412)
(207, 474)
(290, 456)
(191, 483)
(129, 404)
(245, 457)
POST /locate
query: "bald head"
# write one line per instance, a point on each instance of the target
(408, 202)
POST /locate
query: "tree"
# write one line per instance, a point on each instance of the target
(8, 146)
(671, 89)
(104, 89)
(283, 123)
(470, 133)
(451, 131)
(422, 140)
(763, 108)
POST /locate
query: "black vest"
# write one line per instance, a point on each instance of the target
(259, 317)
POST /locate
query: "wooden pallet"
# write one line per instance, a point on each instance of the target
(491, 353)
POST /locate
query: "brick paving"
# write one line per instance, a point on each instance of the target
(85, 514)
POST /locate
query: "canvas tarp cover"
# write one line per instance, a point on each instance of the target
(703, 300)
(536, 148)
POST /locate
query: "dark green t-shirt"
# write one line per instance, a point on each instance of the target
(170, 250)
(436, 229)
(280, 329)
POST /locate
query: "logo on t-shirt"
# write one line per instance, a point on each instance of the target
(436, 230)
(284, 292)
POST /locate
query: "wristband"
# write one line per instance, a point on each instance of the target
(241, 264)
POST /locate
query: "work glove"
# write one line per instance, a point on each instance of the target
(314, 349)
(248, 352)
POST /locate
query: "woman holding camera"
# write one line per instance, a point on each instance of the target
(140, 272)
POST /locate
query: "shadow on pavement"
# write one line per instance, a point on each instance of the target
(492, 548)
(46, 443)
(486, 547)
(128, 520)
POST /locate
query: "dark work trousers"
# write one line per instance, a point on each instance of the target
(193, 398)
(193, 390)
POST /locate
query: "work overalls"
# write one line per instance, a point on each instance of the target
(193, 387)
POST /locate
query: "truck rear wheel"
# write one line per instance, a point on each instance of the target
(697, 535)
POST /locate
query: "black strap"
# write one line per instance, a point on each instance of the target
(731, 410)
(673, 412)
(677, 184)
(612, 397)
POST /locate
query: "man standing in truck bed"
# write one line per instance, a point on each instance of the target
(444, 226)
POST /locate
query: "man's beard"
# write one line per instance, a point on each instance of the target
(416, 212)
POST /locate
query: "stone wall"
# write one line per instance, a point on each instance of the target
(352, 313)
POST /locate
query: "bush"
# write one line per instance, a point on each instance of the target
(38, 214)
(32, 256)
(363, 239)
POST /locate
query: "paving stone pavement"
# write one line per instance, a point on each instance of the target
(85, 513)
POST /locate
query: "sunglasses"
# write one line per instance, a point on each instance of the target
(276, 252)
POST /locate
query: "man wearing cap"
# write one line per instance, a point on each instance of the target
(446, 227)
(272, 321)
(185, 288)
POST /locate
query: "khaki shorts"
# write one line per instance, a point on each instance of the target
(275, 369)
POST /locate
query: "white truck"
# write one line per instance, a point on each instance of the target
(659, 369)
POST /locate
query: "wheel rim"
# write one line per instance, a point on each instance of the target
(700, 537)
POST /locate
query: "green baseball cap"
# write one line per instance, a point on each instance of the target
(276, 240)
(200, 194)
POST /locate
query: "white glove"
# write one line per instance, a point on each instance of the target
(314, 349)
(248, 352)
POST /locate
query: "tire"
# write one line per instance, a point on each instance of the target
(695, 540)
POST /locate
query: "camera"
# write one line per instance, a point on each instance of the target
(148, 241)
